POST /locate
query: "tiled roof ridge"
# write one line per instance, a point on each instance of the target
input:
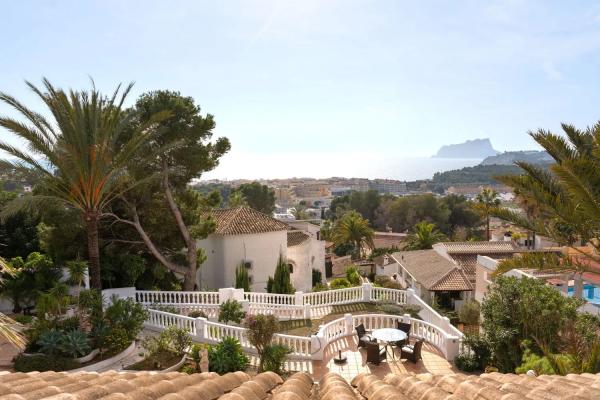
(441, 283)
(296, 237)
(481, 246)
(245, 220)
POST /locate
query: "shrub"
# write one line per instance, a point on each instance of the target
(480, 348)
(339, 283)
(50, 341)
(118, 340)
(42, 362)
(197, 314)
(466, 362)
(469, 312)
(99, 335)
(352, 275)
(125, 315)
(227, 356)
(23, 319)
(75, 343)
(539, 364)
(260, 331)
(90, 306)
(231, 310)
(280, 282)
(319, 287)
(242, 279)
(317, 277)
(179, 339)
(273, 357)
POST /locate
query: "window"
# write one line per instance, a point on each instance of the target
(248, 264)
(291, 268)
(319, 235)
(250, 279)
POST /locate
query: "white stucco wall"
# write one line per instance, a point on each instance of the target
(305, 257)
(224, 253)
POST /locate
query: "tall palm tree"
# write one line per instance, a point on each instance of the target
(8, 326)
(424, 236)
(567, 194)
(485, 202)
(80, 154)
(353, 228)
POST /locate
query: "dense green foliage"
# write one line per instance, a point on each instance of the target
(479, 175)
(125, 317)
(242, 279)
(469, 312)
(280, 282)
(352, 275)
(42, 362)
(227, 356)
(231, 311)
(515, 310)
(257, 196)
(274, 356)
(317, 277)
(353, 229)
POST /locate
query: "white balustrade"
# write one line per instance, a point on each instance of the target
(159, 320)
(334, 297)
(282, 312)
(269, 298)
(174, 297)
(299, 345)
(388, 295)
(215, 332)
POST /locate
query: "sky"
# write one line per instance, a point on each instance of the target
(320, 88)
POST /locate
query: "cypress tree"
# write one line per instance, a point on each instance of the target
(242, 280)
(281, 282)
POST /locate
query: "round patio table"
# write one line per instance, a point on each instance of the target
(389, 335)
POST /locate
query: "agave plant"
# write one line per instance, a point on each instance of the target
(75, 343)
(50, 342)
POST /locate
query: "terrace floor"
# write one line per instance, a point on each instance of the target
(433, 361)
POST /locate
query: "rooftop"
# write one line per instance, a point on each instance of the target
(296, 237)
(477, 247)
(244, 220)
(432, 270)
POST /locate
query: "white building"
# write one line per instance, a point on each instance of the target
(256, 239)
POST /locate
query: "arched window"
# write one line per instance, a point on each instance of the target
(291, 268)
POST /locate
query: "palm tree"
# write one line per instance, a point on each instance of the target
(424, 236)
(8, 325)
(77, 271)
(486, 201)
(80, 154)
(565, 195)
(353, 228)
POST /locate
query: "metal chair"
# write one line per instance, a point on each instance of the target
(374, 353)
(363, 338)
(412, 353)
(404, 327)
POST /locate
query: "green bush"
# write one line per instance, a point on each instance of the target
(227, 356)
(469, 313)
(352, 275)
(197, 314)
(50, 341)
(260, 331)
(125, 315)
(317, 277)
(42, 362)
(231, 310)
(274, 356)
(118, 340)
(466, 362)
(75, 344)
(532, 361)
(320, 287)
(179, 339)
(480, 348)
(339, 283)
(23, 319)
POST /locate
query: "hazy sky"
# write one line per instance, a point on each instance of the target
(313, 83)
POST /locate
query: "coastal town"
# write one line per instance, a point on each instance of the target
(133, 266)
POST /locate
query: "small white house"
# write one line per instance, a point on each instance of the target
(244, 235)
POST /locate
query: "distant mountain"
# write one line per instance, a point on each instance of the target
(510, 157)
(477, 148)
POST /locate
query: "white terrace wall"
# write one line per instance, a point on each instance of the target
(433, 327)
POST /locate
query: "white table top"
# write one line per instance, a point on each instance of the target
(389, 335)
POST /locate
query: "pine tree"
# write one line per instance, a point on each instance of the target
(242, 280)
(280, 282)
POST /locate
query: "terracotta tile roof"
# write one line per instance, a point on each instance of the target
(295, 237)
(479, 247)
(454, 280)
(426, 266)
(469, 261)
(245, 220)
(146, 385)
(471, 387)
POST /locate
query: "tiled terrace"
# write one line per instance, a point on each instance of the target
(432, 362)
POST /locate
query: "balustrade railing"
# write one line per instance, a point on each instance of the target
(173, 297)
(299, 345)
(159, 320)
(269, 298)
(334, 297)
(388, 295)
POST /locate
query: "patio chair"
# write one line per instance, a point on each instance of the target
(374, 353)
(363, 338)
(412, 353)
(404, 327)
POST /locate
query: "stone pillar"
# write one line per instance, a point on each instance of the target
(299, 298)
(200, 327)
(237, 294)
(225, 294)
(307, 311)
(366, 288)
(349, 324)
(452, 347)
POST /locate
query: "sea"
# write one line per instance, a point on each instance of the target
(321, 165)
